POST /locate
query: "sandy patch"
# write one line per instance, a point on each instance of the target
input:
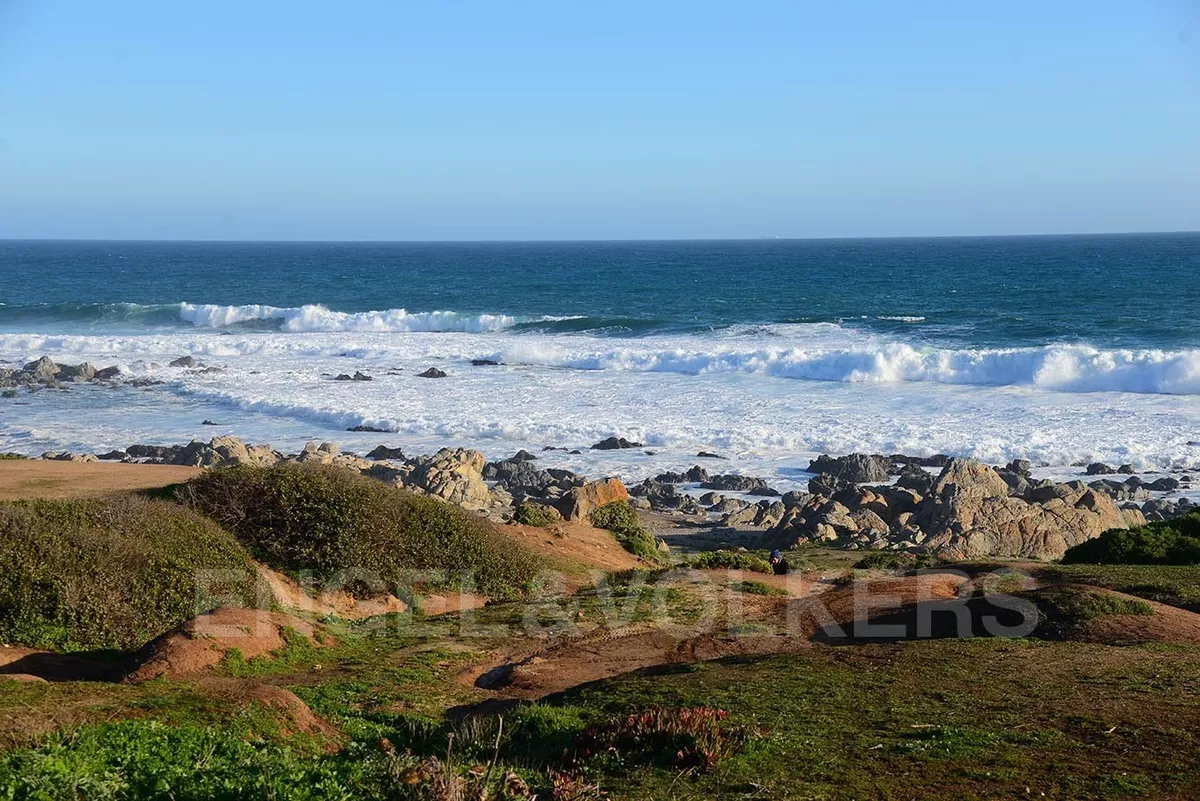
(35, 478)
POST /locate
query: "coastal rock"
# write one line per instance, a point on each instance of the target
(68, 456)
(454, 475)
(433, 372)
(915, 479)
(764, 514)
(580, 501)
(155, 452)
(732, 482)
(76, 373)
(970, 515)
(615, 443)
(1099, 469)
(522, 475)
(108, 373)
(858, 468)
(184, 361)
(317, 453)
(728, 506)
(827, 485)
(43, 370)
(484, 363)
(382, 452)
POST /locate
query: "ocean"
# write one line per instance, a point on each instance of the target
(1059, 350)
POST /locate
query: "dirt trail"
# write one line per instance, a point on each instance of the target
(762, 625)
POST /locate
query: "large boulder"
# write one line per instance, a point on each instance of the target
(454, 475)
(859, 468)
(970, 515)
(731, 482)
(580, 501)
(43, 370)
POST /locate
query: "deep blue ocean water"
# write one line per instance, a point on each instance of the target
(1123, 291)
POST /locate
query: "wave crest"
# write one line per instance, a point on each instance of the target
(318, 318)
(1063, 368)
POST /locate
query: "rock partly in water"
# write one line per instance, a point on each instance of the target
(615, 443)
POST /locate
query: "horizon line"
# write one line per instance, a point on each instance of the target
(218, 241)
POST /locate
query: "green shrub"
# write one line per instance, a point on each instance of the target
(534, 514)
(12, 457)
(112, 573)
(895, 560)
(730, 560)
(1171, 542)
(326, 520)
(621, 519)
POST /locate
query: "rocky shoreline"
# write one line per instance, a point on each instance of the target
(953, 507)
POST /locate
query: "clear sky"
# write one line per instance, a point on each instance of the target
(439, 119)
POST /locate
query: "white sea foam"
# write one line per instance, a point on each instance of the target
(318, 318)
(765, 397)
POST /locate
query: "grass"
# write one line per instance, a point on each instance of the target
(621, 519)
(1177, 585)
(931, 720)
(758, 588)
(81, 575)
(1072, 605)
(363, 536)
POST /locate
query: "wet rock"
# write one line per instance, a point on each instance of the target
(1020, 467)
(432, 372)
(857, 468)
(708, 455)
(732, 482)
(382, 452)
(615, 443)
(1099, 469)
(184, 361)
(484, 363)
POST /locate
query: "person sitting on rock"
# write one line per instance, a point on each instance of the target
(778, 564)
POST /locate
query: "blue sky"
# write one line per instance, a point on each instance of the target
(563, 120)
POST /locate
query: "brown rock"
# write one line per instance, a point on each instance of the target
(580, 501)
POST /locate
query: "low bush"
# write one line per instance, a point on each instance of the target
(534, 514)
(730, 560)
(621, 519)
(1170, 542)
(895, 560)
(113, 573)
(12, 457)
(328, 520)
